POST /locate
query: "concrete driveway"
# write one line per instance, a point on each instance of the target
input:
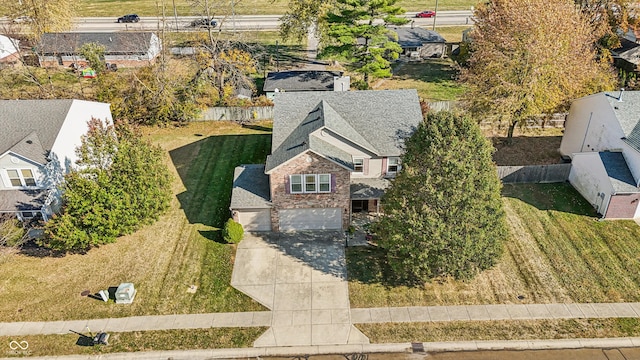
(301, 277)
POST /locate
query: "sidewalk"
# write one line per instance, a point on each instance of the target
(407, 348)
(358, 316)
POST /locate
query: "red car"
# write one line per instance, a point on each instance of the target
(426, 14)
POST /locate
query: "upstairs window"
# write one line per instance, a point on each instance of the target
(309, 183)
(393, 165)
(296, 184)
(21, 177)
(324, 183)
(358, 165)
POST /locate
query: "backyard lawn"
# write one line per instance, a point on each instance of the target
(183, 248)
(435, 79)
(556, 253)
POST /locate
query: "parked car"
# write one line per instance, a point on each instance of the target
(130, 18)
(204, 23)
(426, 14)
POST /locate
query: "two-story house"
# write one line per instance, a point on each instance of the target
(38, 141)
(602, 138)
(332, 153)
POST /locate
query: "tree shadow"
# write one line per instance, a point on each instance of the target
(560, 197)
(206, 169)
(213, 235)
(256, 127)
(369, 265)
(527, 150)
(430, 71)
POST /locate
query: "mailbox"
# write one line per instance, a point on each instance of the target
(125, 293)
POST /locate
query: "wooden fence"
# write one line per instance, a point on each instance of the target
(534, 173)
(243, 114)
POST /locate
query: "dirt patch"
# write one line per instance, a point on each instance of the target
(532, 147)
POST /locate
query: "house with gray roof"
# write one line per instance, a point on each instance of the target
(602, 139)
(38, 144)
(419, 43)
(332, 154)
(627, 56)
(125, 49)
(305, 80)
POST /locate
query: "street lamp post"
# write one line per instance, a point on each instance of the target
(435, 15)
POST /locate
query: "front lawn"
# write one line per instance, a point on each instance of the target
(435, 79)
(183, 248)
(557, 252)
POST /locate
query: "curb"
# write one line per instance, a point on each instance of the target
(427, 347)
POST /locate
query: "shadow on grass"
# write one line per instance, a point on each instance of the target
(369, 265)
(213, 235)
(560, 197)
(429, 71)
(206, 169)
(256, 127)
(527, 150)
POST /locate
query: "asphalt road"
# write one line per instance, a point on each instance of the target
(239, 22)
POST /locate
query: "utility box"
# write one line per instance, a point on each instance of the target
(125, 293)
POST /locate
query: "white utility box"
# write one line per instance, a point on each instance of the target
(125, 293)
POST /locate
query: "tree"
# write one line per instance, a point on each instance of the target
(443, 213)
(527, 61)
(606, 17)
(356, 36)
(121, 184)
(94, 53)
(43, 15)
(302, 15)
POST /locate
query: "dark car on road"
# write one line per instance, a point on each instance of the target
(426, 14)
(204, 23)
(130, 18)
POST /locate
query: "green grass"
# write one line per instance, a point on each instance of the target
(434, 79)
(501, 330)
(183, 247)
(557, 252)
(60, 345)
(242, 7)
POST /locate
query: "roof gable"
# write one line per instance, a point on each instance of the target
(626, 107)
(415, 36)
(378, 121)
(30, 127)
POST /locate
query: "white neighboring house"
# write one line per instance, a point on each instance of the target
(38, 141)
(9, 52)
(602, 138)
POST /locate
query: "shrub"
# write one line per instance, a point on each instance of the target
(232, 232)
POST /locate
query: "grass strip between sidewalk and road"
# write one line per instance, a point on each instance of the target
(501, 330)
(188, 339)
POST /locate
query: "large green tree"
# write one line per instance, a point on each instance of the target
(356, 32)
(443, 213)
(527, 61)
(122, 183)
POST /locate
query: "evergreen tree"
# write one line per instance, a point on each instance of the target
(443, 213)
(358, 38)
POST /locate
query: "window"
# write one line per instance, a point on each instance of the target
(393, 165)
(296, 184)
(358, 165)
(22, 177)
(310, 183)
(324, 183)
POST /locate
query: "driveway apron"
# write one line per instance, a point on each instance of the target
(302, 278)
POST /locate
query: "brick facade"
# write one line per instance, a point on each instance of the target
(309, 163)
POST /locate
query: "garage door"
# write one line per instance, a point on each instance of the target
(310, 219)
(255, 220)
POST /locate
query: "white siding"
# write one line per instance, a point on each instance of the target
(632, 157)
(591, 126)
(589, 177)
(75, 125)
(310, 219)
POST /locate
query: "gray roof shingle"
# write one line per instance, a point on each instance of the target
(250, 188)
(300, 80)
(22, 200)
(618, 172)
(114, 43)
(368, 188)
(377, 121)
(416, 37)
(627, 112)
(30, 127)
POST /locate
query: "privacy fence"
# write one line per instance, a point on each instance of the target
(534, 173)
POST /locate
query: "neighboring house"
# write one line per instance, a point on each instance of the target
(332, 154)
(627, 56)
(602, 138)
(419, 43)
(37, 147)
(126, 49)
(9, 50)
(305, 80)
